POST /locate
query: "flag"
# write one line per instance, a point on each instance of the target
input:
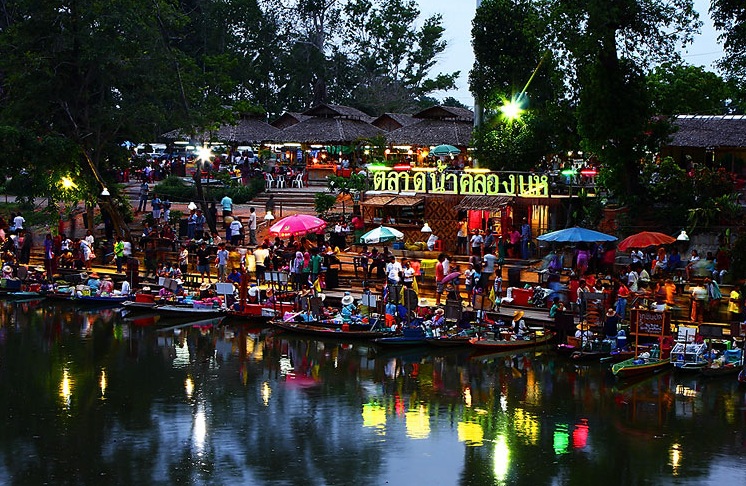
(492, 295)
(415, 287)
(317, 285)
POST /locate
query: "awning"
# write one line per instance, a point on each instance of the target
(378, 200)
(483, 203)
(406, 201)
(391, 200)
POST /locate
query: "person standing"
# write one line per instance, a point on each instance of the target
(144, 191)
(184, 259)
(155, 204)
(48, 254)
(252, 227)
(191, 225)
(476, 243)
(203, 262)
(199, 225)
(439, 275)
(462, 236)
(227, 204)
(236, 228)
(222, 260)
(525, 239)
(119, 253)
(18, 222)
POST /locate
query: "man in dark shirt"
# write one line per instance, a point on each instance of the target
(203, 262)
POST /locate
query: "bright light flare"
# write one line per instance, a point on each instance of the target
(204, 153)
(68, 183)
(512, 109)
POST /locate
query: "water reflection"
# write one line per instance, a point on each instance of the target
(201, 402)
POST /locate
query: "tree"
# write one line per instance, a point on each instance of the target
(605, 46)
(512, 66)
(729, 17)
(679, 89)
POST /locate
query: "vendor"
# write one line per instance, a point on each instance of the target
(611, 323)
(519, 325)
(584, 334)
(348, 307)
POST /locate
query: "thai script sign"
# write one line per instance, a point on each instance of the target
(650, 323)
(438, 181)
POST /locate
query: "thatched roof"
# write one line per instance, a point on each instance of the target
(709, 131)
(248, 131)
(328, 131)
(393, 121)
(338, 111)
(433, 132)
(392, 200)
(288, 119)
(441, 112)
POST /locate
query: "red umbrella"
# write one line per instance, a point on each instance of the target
(645, 239)
(297, 225)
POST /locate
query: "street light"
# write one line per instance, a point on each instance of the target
(682, 236)
(105, 192)
(269, 216)
(426, 229)
(191, 206)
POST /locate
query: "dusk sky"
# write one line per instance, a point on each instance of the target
(458, 14)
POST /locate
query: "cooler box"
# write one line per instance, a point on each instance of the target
(522, 296)
(145, 298)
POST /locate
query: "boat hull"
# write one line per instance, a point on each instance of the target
(629, 369)
(326, 332)
(493, 345)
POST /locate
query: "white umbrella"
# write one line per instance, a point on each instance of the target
(382, 234)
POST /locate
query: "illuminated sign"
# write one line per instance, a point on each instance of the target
(438, 181)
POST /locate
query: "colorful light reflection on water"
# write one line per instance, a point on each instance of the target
(96, 397)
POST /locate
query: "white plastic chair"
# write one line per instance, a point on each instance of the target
(280, 182)
(269, 180)
(298, 181)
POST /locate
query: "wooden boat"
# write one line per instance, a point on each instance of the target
(189, 310)
(134, 306)
(327, 332)
(497, 345)
(646, 323)
(729, 364)
(100, 300)
(638, 366)
(260, 312)
(410, 336)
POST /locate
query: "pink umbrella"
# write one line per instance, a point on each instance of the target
(451, 276)
(297, 225)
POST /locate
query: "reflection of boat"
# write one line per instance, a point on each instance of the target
(689, 356)
(23, 294)
(460, 339)
(533, 339)
(302, 328)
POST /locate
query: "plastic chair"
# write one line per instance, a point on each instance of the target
(269, 180)
(298, 181)
(280, 182)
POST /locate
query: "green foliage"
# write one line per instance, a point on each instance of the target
(346, 185)
(323, 202)
(728, 17)
(678, 89)
(722, 210)
(738, 257)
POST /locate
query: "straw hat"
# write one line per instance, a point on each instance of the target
(347, 299)
(270, 292)
(439, 311)
(93, 275)
(7, 269)
(518, 315)
(204, 286)
(422, 302)
(610, 313)
(582, 326)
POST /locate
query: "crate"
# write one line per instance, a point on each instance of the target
(145, 298)
(522, 296)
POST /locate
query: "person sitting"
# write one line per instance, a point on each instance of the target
(348, 307)
(584, 334)
(611, 323)
(520, 329)
(106, 287)
(438, 322)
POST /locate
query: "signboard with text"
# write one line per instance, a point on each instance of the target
(650, 323)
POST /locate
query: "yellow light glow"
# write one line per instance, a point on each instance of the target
(501, 459)
(425, 153)
(189, 386)
(470, 433)
(66, 388)
(387, 151)
(675, 458)
(102, 383)
(527, 426)
(266, 393)
(374, 417)
(512, 110)
(476, 171)
(68, 183)
(204, 153)
(467, 394)
(418, 423)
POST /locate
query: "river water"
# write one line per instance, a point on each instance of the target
(91, 397)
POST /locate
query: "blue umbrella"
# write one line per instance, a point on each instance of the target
(576, 235)
(445, 150)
